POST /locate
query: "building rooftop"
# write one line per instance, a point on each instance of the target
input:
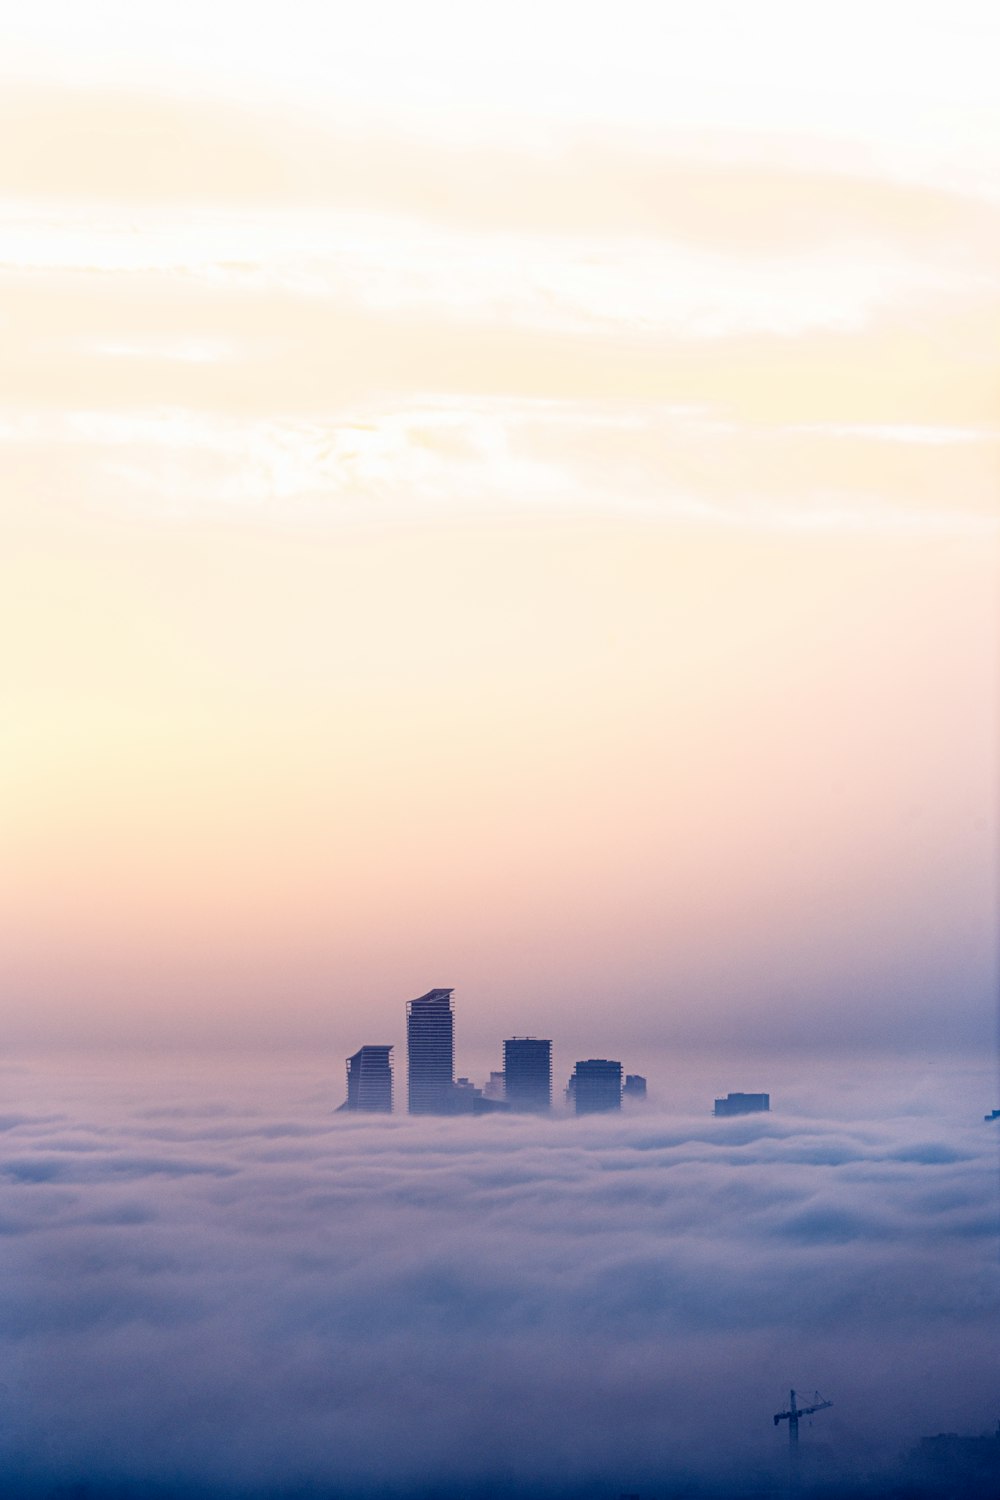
(433, 997)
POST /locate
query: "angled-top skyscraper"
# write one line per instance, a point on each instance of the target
(369, 1080)
(527, 1074)
(430, 1052)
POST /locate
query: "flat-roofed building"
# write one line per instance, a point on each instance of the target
(369, 1080)
(527, 1074)
(430, 1053)
(596, 1086)
(743, 1104)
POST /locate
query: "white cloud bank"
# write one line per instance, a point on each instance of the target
(221, 1296)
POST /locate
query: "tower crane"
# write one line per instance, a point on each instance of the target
(793, 1414)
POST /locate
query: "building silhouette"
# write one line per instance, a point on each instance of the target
(369, 1081)
(494, 1089)
(430, 1053)
(462, 1097)
(635, 1088)
(743, 1104)
(527, 1074)
(596, 1086)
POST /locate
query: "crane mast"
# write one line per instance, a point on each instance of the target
(792, 1416)
(794, 1412)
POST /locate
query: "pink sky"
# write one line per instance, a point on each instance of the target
(546, 547)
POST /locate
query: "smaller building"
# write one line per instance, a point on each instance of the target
(634, 1090)
(596, 1086)
(465, 1099)
(494, 1089)
(486, 1106)
(743, 1104)
(952, 1464)
(369, 1081)
(527, 1074)
(461, 1097)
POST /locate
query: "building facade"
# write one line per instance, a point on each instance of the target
(527, 1074)
(369, 1080)
(430, 1053)
(596, 1086)
(743, 1104)
(494, 1089)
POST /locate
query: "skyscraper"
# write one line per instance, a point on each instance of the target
(369, 1080)
(596, 1086)
(430, 1052)
(527, 1074)
(635, 1088)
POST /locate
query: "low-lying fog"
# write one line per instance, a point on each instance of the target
(212, 1281)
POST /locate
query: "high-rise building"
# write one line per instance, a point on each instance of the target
(430, 1052)
(596, 1086)
(743, 1104)
(369, 1080)
(527, 1074)
(635, 1088)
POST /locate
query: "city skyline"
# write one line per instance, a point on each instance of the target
(523, 1085)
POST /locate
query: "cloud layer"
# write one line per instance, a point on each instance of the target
(204, 1291)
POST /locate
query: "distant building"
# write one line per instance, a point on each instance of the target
(596, 1086)
(743, 1104)
(635, 1088)
(527, 1074)
(485, 1106)
(430, 1053)
(462, 1096)
(494, 1089)
(952, 1464)
(465, 1099)
(369, 1081)
(994, 1114)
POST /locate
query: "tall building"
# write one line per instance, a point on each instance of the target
(527, 1074)
(635, 1088)
(743, 1104)
(596, 1086)
(369, 1080)
(430, 1052)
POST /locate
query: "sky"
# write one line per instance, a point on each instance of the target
(498, 500)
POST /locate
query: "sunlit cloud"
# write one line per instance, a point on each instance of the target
(452, 456)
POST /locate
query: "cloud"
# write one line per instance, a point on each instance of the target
(738, 190)
(257, 1298)
(440, 456)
